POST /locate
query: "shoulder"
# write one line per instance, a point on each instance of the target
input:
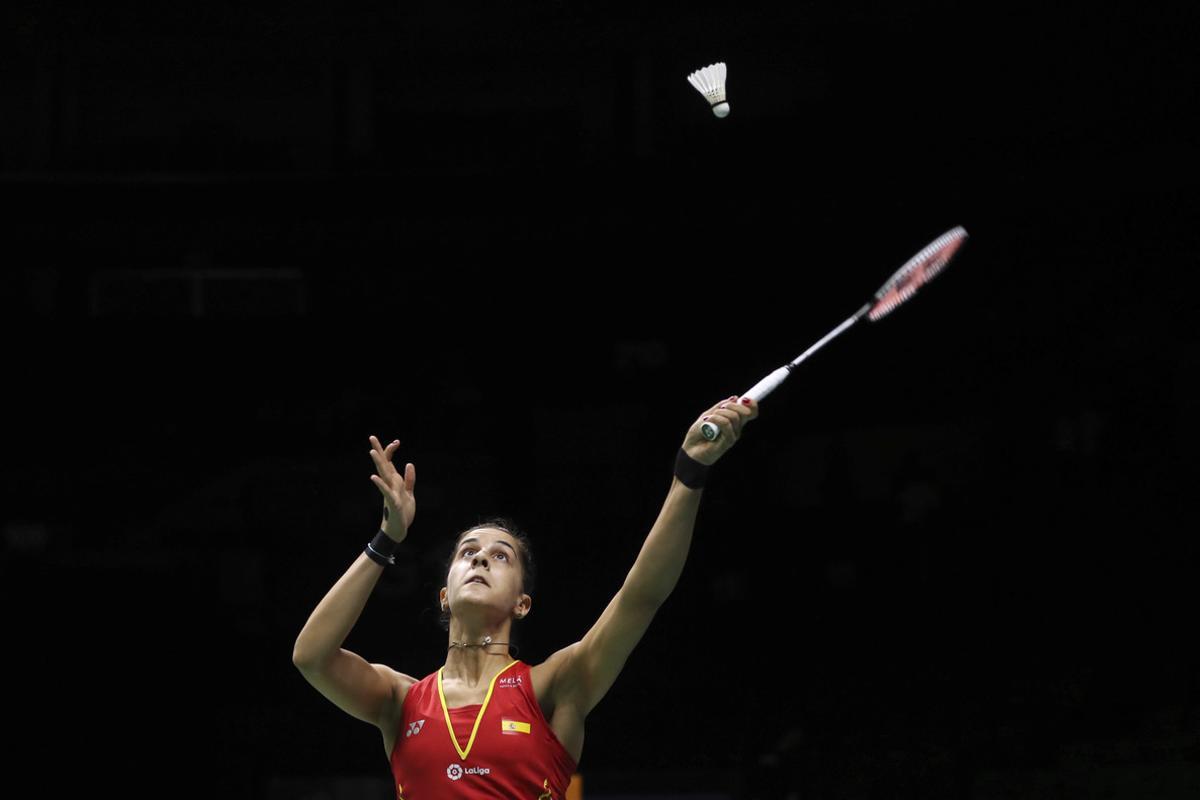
(400, 686)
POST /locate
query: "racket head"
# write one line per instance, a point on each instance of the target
(916, 272)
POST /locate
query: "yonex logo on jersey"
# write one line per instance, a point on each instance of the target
(510, 681)
(456, 771)
(414, 728)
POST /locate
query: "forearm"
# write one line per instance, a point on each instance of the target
(331, 621)
(660, 562)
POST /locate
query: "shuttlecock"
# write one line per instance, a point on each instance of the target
(710, 82)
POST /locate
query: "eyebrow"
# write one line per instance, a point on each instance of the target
(476, 541)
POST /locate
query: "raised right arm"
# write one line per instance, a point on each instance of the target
(370, 692)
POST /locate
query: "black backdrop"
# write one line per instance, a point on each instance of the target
(952, 558)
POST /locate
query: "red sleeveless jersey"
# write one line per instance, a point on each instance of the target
(502, 748)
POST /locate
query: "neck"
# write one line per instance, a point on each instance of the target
(476, 665)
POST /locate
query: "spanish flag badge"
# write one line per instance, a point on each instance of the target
(513, 726)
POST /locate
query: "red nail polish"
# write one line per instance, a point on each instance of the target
(745, 401)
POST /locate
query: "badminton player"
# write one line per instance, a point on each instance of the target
(487, 724)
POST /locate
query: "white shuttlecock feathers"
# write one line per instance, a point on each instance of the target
(710, 82)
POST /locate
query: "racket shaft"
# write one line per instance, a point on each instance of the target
(833, 334)
(768, 384)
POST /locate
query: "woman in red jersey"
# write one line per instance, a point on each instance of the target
(486, 724)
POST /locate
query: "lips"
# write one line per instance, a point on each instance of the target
(475, 578)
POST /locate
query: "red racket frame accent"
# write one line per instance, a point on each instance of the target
(916, 272)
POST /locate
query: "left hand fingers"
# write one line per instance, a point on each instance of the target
(735, 413)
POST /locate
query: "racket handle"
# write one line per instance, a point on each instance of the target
(757, 392)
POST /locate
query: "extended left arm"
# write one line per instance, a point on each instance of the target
(660, 562)
(584, 671)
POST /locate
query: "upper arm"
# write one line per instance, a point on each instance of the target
(587, 669)
(370, 692)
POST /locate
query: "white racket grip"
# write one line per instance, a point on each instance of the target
(756, 392)
(768, 384)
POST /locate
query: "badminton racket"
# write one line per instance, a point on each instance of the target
(904, 283)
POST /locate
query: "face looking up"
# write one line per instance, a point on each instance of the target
(486, 573)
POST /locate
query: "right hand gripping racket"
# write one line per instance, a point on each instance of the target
(916, 272)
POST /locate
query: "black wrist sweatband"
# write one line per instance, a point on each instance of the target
(381, 548)
(690, 472)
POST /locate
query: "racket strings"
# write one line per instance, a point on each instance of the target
(918, 271)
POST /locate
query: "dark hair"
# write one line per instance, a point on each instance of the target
(524, 546)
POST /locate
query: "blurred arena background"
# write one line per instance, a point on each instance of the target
(953, 558)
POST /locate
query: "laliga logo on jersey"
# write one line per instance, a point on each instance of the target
(414, 728)
(512, 680)
(456, 771)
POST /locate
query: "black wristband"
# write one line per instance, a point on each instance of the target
(381, 548)
(690, 471)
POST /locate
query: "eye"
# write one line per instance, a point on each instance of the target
(502, 554)
(468, 550)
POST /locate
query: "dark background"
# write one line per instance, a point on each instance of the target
(952, 558)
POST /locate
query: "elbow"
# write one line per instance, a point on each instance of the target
(301, 659)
